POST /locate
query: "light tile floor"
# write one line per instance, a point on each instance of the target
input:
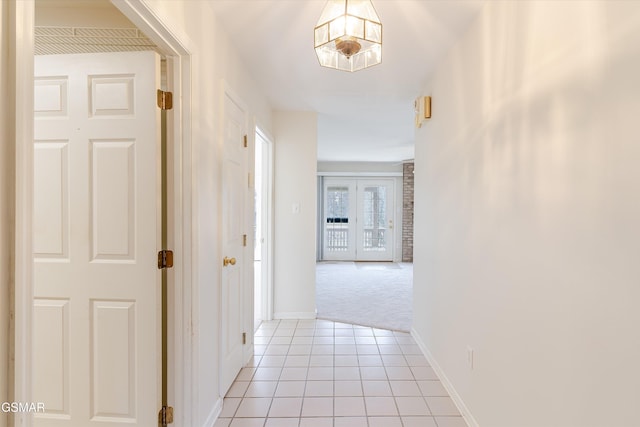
(317, 373)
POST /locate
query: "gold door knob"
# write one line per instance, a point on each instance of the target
(226, 261)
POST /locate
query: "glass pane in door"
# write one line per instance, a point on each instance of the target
(374, 218)
(337, 219)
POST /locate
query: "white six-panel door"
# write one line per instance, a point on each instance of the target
(96, 321)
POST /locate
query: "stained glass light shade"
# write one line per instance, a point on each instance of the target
(348, 35)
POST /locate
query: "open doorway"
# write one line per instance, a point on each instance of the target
(364, 273)
(263, 229)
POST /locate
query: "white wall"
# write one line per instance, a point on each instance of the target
(80, 14)
(214, 59)
(527, 227)
(295, 159)
(6, 203)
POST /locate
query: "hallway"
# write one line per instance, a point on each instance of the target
(318, 373)
(521, 121)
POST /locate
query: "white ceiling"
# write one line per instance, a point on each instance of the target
(362, 116)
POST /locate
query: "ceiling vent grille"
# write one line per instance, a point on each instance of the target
(64, 40)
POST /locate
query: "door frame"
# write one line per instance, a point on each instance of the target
(267, 225)
(183, 371)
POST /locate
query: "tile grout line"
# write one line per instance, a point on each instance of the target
(321, 361)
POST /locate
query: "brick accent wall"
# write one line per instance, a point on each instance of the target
(407, 212)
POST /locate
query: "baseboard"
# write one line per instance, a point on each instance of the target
(214, 414)
(445, 381)
(290, 315)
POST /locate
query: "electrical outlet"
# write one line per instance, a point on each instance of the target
(470, 357)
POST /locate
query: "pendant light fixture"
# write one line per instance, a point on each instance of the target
(348, 35)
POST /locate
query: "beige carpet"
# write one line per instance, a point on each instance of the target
(377, 294)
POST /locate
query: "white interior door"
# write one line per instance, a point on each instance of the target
(96, 317)
(375, 220)
(339, 219)
(234, 193)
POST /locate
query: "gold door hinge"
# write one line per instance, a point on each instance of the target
(244, 338)
(246, 144)
(165, 100)
(165, 259)
(244, 240)
(165, 416)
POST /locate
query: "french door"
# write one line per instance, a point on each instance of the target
(358, 219)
